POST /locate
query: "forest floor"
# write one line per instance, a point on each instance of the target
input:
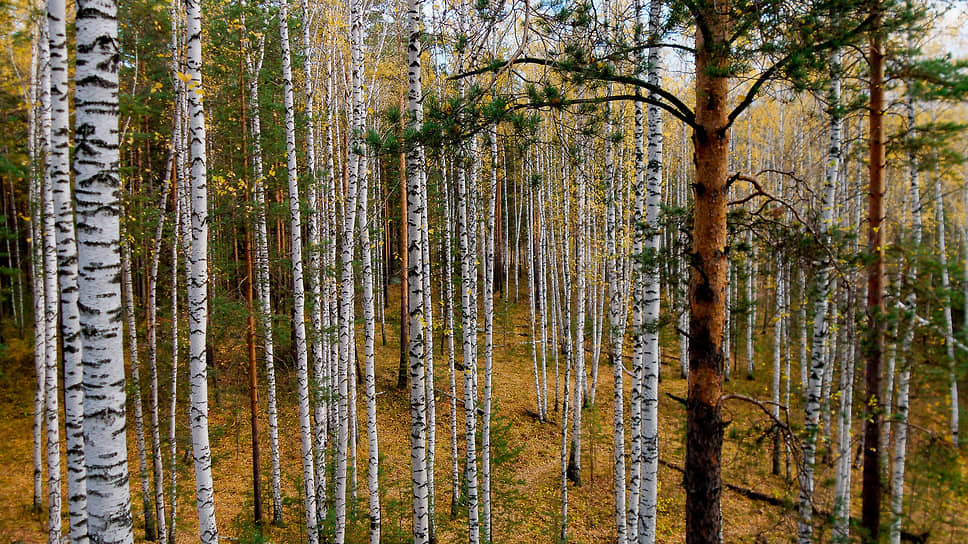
(527, 458)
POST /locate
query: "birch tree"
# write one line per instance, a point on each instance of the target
(46, 229)
(264, 306)
(299, 295)
(197, 270)
(58, 166)
(820, 325)
(415, 271)
(902, 408)
(648, 507)
(96, 194)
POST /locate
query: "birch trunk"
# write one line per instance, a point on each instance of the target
(946, 310)
(51, 413)
(264, 306)
(638, 325)
(173, 403)
(451, 351)
(369, 339)
(314, 234)
(574, 456)
(488, 262)
(777, 371)
(651, 300)
(197, 264)
(841, 529)
(127, 293)
(416, 200)
(821, 328)
(97, 191)
(616, 326)
(299, 295)
(904, 379)
(59, 168)
(157, 463)
(37, 283)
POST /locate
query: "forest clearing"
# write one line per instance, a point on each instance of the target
(483, 271)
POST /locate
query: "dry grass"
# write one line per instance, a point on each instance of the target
(531, 513)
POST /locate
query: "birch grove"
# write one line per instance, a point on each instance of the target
(672, 190)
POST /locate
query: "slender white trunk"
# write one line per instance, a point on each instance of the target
(97, 188)
(566, 327)
(264, 306)
(488, 263)
(648, 495)
(429, 366)
(173, 402)
(451, 351)
(314, 261)
(777, 370)
(904, 379)
(817, 372)
(574, 456)
(369, 339)
(127, 294)
(841, 528)
(804, 354)
(750, 306)
(58, 166)
(49, 252)
(616, 321)
(157, 462)
(946, 310)
(299, 295)
(468, 273)
(416, 200)
(197, 264)
(37, 284)
(638, 327)
(533, 293)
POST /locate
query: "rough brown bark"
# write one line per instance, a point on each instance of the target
(871, 507)
(707, 285)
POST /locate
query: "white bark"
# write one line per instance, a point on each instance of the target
(429, 365)
(58, 166)
(157, 463)
(468, 273)
(173, 402)
(197, 264)
(616, 298)
(369, 335)
(264, 306)
(299, 295)
(648, 495)
(488, 263)
(127, 294)
(777, 370)
(946, 311)
(448, 290)
(97, 192)
(416, 200)
(904, 379)
(815, 379)
(314, 234)
(638, 327)
(574, 456)
(841, 528)
(51, 414)
(37, 284)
